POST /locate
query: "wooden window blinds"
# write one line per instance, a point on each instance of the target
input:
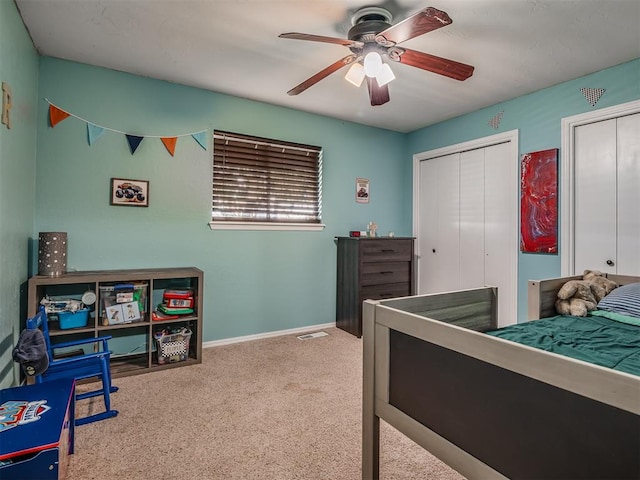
(263, 180)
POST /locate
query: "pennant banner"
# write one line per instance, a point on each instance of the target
(200, 138)
(134, 142)
(94, 132)
(56, 115)
(170, 143)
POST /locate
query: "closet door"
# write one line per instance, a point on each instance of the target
(498, 241)
(472, 219)
(607, 196)
(595, 197)
(628, 201)
(438, 235)
(464, 235)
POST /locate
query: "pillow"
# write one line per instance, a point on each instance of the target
(618, 317)
(624, 300)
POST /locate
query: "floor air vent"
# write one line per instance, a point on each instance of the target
(309, 336)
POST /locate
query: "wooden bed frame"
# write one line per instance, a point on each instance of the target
(488, 407)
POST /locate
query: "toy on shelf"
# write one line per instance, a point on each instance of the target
(71, 313)
(175, 302)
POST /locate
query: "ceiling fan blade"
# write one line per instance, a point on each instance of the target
(320, 38)
(431, 63)
(322, 74)
(377, 94)
(424, 21)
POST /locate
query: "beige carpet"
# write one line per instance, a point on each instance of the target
(278, 408)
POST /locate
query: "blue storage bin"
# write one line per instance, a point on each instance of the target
(73, 319)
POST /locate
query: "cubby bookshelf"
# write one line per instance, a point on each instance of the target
(133, 344)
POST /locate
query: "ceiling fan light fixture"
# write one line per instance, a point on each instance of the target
(385, 75)
(355, 74)
(372, 64)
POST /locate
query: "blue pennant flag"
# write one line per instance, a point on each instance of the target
(134, 142)
(200, 137)
(94, 132)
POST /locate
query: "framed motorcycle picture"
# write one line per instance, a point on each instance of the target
(133, 193)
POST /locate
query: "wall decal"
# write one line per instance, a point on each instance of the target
(496, 119)
(7, 103)
(592, 94)
(539, 202)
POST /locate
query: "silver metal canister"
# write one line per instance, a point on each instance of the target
(52, 253)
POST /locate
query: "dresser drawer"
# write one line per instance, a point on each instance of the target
(389, 290)
(379, 273)
(386, 250)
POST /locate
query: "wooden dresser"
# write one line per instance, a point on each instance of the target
(375, 268)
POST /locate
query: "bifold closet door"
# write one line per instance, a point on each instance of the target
(595, 197)
(472, 219)
(628, 202)
(498, 209)
(464, 230)
(439, 228)
(607, 198)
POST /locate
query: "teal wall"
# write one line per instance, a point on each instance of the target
(537, 117)
(255, 281)
(18, 69)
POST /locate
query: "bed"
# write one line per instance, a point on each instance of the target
(489, 407)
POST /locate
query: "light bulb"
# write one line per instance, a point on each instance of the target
(372, 64)
(385, 75)
(355, 75)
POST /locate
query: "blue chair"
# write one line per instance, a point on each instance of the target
(83, 366)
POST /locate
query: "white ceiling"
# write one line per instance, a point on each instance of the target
(232, 46)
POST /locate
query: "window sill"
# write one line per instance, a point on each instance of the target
(309, 227)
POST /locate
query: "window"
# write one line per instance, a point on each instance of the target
(258, 182)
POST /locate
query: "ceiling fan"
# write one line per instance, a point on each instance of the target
(373, 37)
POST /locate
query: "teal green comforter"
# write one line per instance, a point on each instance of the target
(596, 340)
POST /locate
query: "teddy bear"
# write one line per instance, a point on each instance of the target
(601, 286)
(575, 298)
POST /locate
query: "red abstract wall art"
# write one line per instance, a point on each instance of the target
(539, 202)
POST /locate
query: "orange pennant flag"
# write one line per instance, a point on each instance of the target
(56, 115)
(170, 143)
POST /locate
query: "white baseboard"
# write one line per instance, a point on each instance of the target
(258, 336)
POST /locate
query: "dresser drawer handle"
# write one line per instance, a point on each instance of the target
(387, 273)
(388, 250)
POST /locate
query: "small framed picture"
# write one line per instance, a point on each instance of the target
(133, 193)
(362, 190)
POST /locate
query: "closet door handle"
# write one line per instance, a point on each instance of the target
(610, 263)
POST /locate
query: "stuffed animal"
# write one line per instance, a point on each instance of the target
(575, 298)
(601, 286)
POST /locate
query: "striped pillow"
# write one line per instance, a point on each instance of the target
(624, 300)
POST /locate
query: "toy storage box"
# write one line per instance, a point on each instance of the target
(73, 319)
(173, 348)
(178, 298)
(117, 296)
